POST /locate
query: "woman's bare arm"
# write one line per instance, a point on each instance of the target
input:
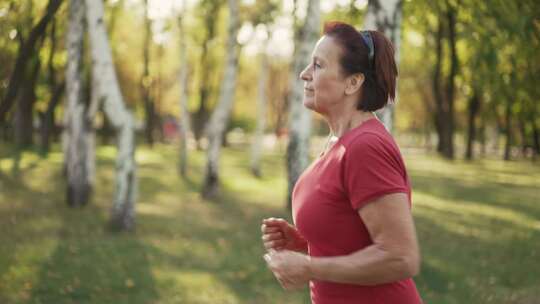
(394, 254)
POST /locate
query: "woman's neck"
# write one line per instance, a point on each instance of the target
(342, 122)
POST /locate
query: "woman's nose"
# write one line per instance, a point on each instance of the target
(305, 74)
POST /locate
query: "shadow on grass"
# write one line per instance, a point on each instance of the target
(491, 194)
(475, 257)
(71, 257)
(91, 264)
(221, 240)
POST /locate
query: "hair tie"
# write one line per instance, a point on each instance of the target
(368, 40)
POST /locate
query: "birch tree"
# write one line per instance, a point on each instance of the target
(185, 120)
(300, 117)
(106, 89)
(79, 183)
(385, 16)
(222, 112)
(256, 147)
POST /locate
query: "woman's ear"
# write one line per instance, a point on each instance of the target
(354, 82)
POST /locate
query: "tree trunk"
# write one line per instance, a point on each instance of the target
(522, 119)
(185, 121)
(107, 89)
(47, 118)
(24, 118)
(508, 129)
(146, 80)
(257, 144)
(473, 107)
(444, 116)
(201, 116)
(221, 114)
(300, 117)
(79, 185)
(47, 122)
(25, 53)
(536, 135)
(437, 91)
(448, 152)
(385, 16)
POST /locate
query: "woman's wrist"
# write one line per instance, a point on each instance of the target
(310, 267)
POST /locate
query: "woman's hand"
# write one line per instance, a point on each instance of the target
(292, 269)
(278, 234)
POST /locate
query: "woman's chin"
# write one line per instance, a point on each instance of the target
(313, 107)
(309, 104)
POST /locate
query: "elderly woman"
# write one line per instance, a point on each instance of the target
(353, 237)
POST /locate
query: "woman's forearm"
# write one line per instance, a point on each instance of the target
(370, 266)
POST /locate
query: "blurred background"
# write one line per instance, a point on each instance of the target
(143, 141)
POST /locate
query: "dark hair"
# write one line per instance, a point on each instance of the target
(380, 80)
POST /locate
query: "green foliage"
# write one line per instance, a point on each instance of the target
(247, 124)
(497, 44)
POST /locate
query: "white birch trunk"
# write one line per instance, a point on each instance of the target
(256, 147)
(300, 117)
(222, 112)
(78, 173)
(107, 90)
(385, 16)
(185, 121)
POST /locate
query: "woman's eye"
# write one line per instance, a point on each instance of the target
(316, 65)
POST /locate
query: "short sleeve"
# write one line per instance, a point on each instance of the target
(372, 168)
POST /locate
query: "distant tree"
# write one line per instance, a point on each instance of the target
(385, 16)
(47, 118)
(261, 13)
(210, 9)
(257, 144)
(145, 82)
(222, 112)
(185, 120)
(27, 51)
(300, 117)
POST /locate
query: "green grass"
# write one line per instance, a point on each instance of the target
(478, 224)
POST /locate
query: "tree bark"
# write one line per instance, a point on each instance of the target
(535, 134)
(26, 50)
(256, 147)
(220, 116)
(473, 107)
(47, 121)
(185, 121)
(79, 185)
(508, 129)
(385, 16)
(448, 150)
(24, 118)
(437, 91)
(146, 80)
(201, 116)
(107, 89)
(444, 115)
(300, 117)
(47, 118)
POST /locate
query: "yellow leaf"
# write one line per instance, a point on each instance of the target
(129, 283)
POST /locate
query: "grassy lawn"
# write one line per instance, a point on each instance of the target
(478, 224)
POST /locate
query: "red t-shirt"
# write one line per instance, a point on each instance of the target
(365, 163)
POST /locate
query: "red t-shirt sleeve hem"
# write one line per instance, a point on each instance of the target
(359, 204)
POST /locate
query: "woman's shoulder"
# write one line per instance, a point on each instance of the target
(373, 137)
(370, 132)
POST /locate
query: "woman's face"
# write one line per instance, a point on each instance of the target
(324, 84)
